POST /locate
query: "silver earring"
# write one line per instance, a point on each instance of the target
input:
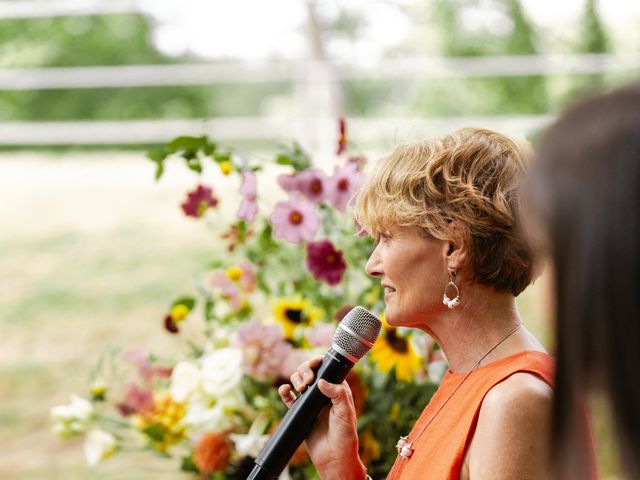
(451, 303)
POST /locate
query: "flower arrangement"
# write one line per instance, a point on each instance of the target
(282, 277)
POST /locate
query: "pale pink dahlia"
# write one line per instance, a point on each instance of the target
(310, 183)
(321, 336)
(343, 185)
(264, 349)
(295, 221)
(248, 207)
(325, 262)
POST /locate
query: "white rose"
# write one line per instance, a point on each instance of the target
(73, 418)
(202, 417)
(249, 445)
(222, 371)
(185, 380)
(98, 446)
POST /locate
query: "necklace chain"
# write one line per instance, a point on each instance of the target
(406, 448)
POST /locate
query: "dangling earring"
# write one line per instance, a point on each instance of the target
(451, 303)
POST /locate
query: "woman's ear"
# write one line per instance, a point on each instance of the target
(455, 248)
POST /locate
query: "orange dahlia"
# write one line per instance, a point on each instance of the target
(213, 452)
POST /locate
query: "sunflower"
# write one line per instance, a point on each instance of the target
(394, 350)
(293, 312)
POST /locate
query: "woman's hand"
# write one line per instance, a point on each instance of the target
(333, 442)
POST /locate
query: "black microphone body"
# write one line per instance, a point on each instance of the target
(300, 419)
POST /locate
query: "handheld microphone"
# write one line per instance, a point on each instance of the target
(354, 336)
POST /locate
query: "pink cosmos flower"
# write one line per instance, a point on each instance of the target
(310, 183)
(325, 262)
(248, 207)
(264, 349)
(136, 400)
(198, 201)
(295, 221)
(343, 185)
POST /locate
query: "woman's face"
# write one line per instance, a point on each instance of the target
(413, 272)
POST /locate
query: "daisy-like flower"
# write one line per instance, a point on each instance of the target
(234, 282)
(294, 312)
(310, 183)
(325, 262)
(295, 221)
(263, 349)
(393, 350)
(249, 190)
(343, 185)
(198, 201)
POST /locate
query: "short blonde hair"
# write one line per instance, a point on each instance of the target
(470, 177)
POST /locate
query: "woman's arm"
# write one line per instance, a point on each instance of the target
(512, 439)
(333, 442)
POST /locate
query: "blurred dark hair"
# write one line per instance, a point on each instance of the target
(584, 189)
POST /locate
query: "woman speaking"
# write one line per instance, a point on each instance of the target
(451, 259)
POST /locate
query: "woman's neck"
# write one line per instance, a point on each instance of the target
(478, 324)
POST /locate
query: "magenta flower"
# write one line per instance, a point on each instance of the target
(295, 221)
(248, 207)
(343, 185)
(310, 183)
(198, 201)
(325, 262)
(264, 349)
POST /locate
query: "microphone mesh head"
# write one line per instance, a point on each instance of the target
(364, 324)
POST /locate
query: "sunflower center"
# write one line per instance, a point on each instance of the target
(316, 186)
(295, 217)
(399, 344)
(343, 185)
(293, 315)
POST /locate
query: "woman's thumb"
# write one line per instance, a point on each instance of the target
(337, 393)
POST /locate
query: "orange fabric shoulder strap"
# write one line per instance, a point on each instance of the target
(439, 449)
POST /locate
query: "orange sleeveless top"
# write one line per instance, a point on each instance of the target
(440, 449)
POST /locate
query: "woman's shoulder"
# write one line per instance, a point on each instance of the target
(514, 420)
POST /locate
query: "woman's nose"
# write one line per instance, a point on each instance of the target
(374, 264)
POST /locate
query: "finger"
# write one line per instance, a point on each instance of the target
(339, 395)
(314, 362)
(306, 373)
(287, 396)
(297, 382)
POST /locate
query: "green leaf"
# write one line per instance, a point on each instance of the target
(186, 143)
(154, 432)
(186, 300)
(294, 156)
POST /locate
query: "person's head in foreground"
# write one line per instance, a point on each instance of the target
(584, 192)
(451, 258)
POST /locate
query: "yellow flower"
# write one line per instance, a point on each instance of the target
(225, 167)
(293, 312)
(234, 273)
(179, 312)
(98, 390)
(165, 421)
(393, 350)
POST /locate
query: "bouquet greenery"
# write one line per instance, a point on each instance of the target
(269, 298)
